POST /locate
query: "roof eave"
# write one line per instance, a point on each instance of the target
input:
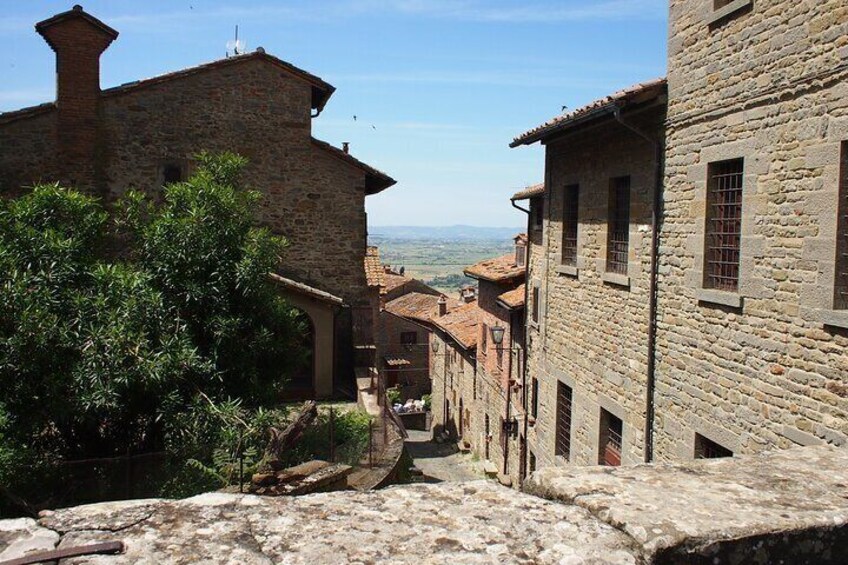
(555, 129)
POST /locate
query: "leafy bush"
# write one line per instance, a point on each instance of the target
(428, 401)
(393, 394)
(104, 353)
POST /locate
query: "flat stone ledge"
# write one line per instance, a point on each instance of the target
(834, 318)
(726, 11)
(787, 505)
(568, 270)
(616, 279)
(473, 522)
(720, 297)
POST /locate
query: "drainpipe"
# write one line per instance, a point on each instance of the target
(656, 219)
(525, 426)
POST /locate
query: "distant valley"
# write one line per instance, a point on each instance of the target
(438, 254)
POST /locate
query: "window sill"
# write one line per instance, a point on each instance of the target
(835, 318)
(569, 270)
(616, 279)
(727, 11)
(720, 297)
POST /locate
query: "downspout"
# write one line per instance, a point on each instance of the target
(526, 425)
(656, 219)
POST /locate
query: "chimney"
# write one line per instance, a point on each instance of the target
(346, 147)
(78, 39)
(443, 305)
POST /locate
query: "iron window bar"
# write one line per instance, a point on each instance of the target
(569, 225)
(563, 421)
(618, 237)
(724, 226)
(841, 288)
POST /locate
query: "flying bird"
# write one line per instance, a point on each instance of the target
(354, 117)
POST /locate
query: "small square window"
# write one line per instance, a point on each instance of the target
(706, 448)
(610, 441)
(409, 338)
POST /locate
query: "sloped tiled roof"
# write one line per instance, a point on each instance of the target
(375, 181)
(305, 289)
(461, 324)
(373, 268)
(635, 94)
(418, 306)
(393, 281)
(498, 269)
(514, 298)
(529, 192)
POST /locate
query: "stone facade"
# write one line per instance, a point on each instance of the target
(766, 366)
(592, 330)
(738, 371)
(142, 134)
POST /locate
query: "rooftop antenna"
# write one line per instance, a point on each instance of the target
(236, 45)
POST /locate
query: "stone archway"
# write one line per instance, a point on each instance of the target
(317, 311)
(302, 379)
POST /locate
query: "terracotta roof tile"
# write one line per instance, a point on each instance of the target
(514, 298)
(418, 306)
(373, 268)
(529, 192)
(496, 270)
(461, 324)
(634, 94)
(393, 281)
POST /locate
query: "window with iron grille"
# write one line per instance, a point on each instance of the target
(706, 448)
(408, 338)
(840, 301)
(563, 421)
(536, 204)
(570, 202)
(618, 226)
(536, 304)
(534, 411)
(612, 430)
(724, 225)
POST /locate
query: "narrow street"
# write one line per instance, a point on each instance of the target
(440, 462)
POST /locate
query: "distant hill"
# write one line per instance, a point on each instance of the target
(453, 233)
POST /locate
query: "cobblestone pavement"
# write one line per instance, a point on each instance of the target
(441, 462)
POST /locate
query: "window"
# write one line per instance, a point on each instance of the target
(724, 225)
(725, 10)
(569, 225)
(840, 301)
(610, 440)
(719, 4)
(535, 304)
(520, 255)
(532, 462)
(172, 173)
(563, 422)
(484, 344)
(534, 408)
(618, 226)
(408, 338)
(538, 208)
(708, 449)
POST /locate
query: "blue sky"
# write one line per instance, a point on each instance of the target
(439, 87)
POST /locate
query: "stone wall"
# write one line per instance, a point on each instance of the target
(454, 378)
(766, 366)
(779, 507)
(413, 379)
(592, 331)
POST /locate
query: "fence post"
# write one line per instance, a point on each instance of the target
(370, 444)
(332, 435)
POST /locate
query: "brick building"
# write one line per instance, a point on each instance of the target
(145, 133)
(690, 281)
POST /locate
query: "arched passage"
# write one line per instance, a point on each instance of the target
(317, 315)
(302, 378)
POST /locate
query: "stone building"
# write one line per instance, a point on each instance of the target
(752, 338)
(691, 283)
(478, 396)
(591, 279)
(145, 133)
(406, 323)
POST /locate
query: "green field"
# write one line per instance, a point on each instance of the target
(439, 258)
